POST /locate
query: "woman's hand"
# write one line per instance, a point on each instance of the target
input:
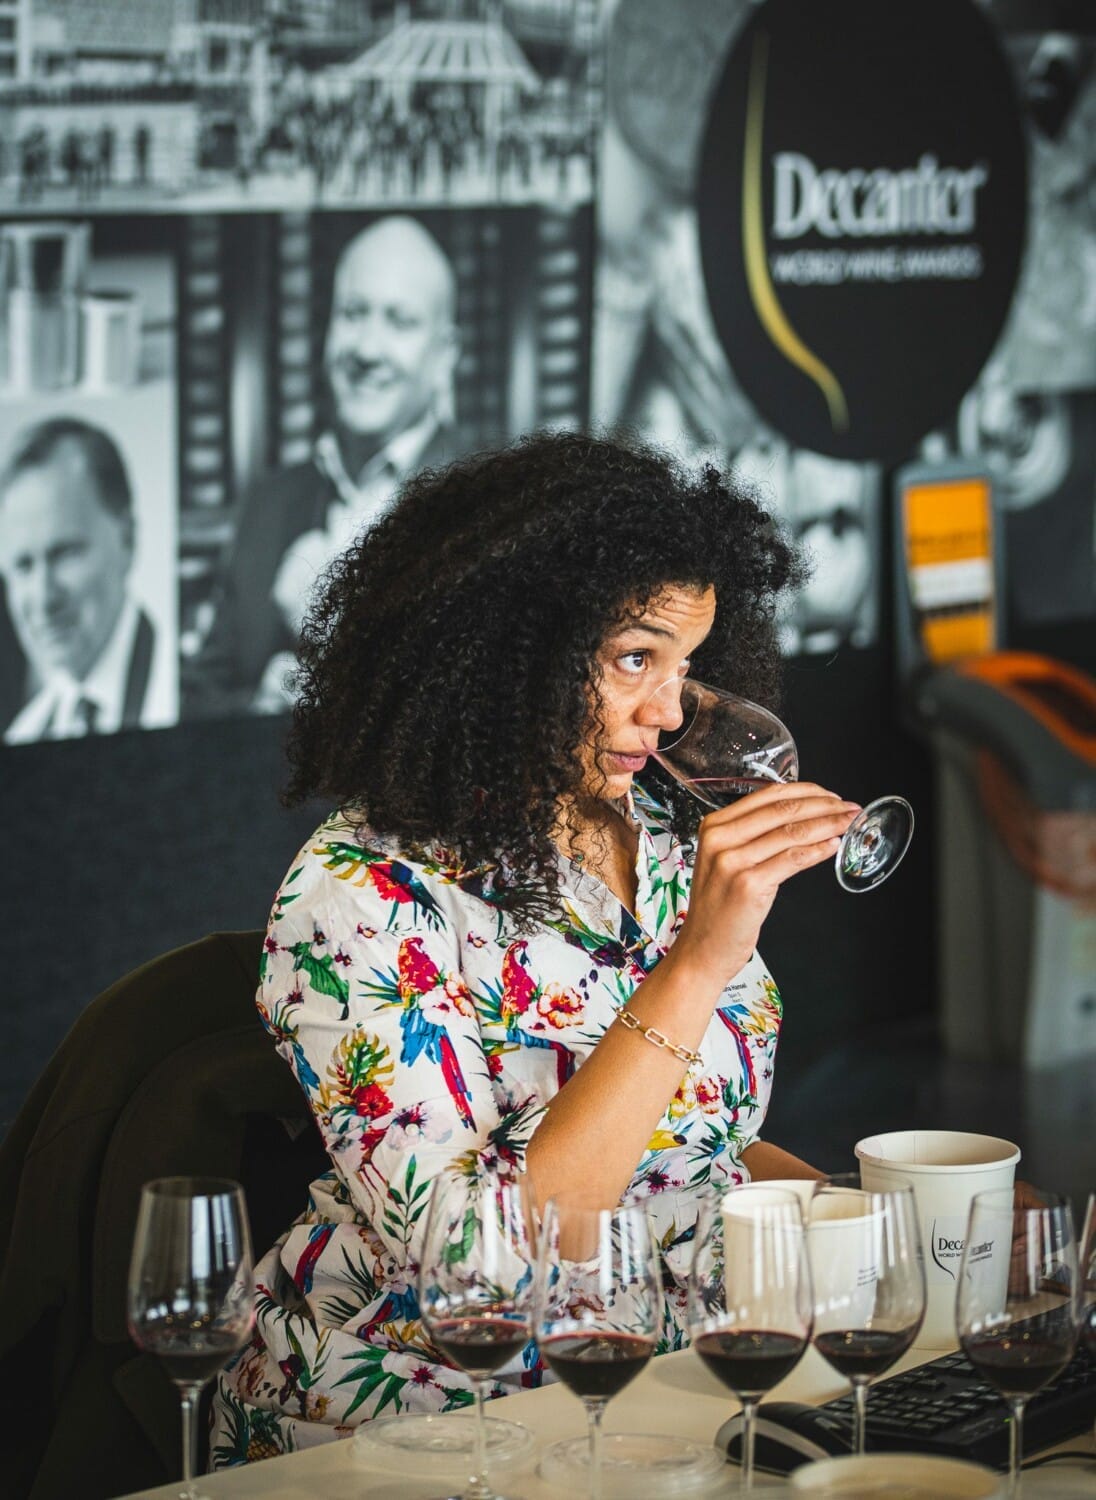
(744, 854)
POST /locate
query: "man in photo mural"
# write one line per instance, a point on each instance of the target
(93, 662)
(389, 356)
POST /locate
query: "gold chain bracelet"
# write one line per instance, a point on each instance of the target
(656, 1037)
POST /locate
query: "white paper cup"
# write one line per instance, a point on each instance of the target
(896, 1476)
(804, 1188)
(762, 1234)
(945, 1168)
(844, 1238)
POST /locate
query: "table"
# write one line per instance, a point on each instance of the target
(674, 1393)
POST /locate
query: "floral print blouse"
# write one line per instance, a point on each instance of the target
(426, 1030)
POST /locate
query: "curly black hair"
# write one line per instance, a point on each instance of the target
(447, 666)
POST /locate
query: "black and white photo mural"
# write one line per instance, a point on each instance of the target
(260, 261)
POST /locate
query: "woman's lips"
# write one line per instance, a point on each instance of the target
(631, 763)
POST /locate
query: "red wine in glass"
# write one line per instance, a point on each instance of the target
(864, 1352)
(189, 1355)
(749, 1295)
(599, 1311)
(475, 1284)
(1018, 1365)
(480, 1345)
(750, 1362)
(1018, 1308)
(598, 1366)
(190, 1299)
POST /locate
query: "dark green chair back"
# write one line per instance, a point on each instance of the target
(167, 1072)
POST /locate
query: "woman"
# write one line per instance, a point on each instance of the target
(449, 958)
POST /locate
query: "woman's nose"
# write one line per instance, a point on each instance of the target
(662, 710)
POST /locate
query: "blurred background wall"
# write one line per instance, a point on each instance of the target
(188, 190)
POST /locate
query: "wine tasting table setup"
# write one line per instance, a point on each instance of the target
(673, 1394)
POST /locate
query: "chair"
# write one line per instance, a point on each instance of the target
(167, 1072)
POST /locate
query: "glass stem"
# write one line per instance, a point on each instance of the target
(188, 1396)
(860, 1427)
(749, 1427)
(595, 1410)
(478, 1488)
(1015, 1444)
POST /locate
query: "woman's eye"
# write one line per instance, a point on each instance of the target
(633, 661)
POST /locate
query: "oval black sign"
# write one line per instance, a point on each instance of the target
(861, 202)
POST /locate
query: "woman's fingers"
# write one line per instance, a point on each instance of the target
(811, 815)
(796, 838)
(771, 870)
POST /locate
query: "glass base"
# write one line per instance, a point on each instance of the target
(434, 1444)
(874, 844)
(634, 1466)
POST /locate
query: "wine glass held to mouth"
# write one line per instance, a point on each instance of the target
(722, 748)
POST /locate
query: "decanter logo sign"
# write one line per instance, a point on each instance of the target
(861, 226)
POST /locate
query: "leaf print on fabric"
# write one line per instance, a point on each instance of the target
(321, 974)
(283, 899)
(347, 861)
(362, 1288)
(369, 1372)
(718, 1139)
(403, 1210)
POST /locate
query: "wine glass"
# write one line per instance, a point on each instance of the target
(726, 747)
(599, 1309)
(190, 1298)
(1088, 1279)
(869, 1282)
(749, 1295)
(1088, 1275)
(1018, 1302)
(476, 1285)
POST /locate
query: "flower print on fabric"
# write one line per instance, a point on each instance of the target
(428, 1034)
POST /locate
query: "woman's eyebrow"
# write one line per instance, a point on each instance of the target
(659, 630)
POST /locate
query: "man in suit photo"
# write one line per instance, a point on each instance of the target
(92, 663)
(389, 355)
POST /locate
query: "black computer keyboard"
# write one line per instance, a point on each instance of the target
(945, 1407)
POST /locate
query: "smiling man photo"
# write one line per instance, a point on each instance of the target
(389, 355)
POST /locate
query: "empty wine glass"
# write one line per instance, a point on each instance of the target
(599, 1308)
(869, 1282)
(749, 1295)
(726, 747)
(1018, 1302)
(476, 1283)
(190, 1297)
